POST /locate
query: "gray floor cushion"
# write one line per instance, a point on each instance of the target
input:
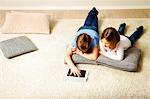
(17, 46)
(129, 63)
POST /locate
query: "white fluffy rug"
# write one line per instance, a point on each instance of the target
(40, 74)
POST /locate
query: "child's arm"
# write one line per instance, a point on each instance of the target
(102, 48)
(92, 56)
(68, 58)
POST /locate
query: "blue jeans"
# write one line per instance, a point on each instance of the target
(91, 21)
(135, 35)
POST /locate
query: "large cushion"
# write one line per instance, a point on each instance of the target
(17, 46)
(129, 63)
(21, 22)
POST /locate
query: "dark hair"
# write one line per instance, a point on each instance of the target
(111, 35)
(83, 42)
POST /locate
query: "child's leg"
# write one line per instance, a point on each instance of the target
(90, 17)
(136, 34)
(95, 23)
(122, 28)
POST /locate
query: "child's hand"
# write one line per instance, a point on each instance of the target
(77, 52)
(75, 71)
(102, 52)
(73, 49)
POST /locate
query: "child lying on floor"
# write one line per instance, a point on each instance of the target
(113, 42)
(85, 42)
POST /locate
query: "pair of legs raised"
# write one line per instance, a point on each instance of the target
(134, 36)
(91, 19)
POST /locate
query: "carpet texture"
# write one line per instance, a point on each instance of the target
(40, 74)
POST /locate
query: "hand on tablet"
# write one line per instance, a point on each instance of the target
(75, 71)
(72, 75)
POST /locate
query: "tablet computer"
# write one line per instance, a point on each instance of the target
(83, 77)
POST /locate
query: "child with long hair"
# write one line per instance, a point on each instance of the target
(113, 43)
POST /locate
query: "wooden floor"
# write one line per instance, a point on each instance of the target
(80, 14)
(76, 14)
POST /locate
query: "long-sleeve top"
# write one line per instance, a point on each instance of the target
(118, 52)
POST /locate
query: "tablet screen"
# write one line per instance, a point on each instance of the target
(83, 72)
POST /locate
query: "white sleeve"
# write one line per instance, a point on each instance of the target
(125, 42)
(118, 55)
(101, 46)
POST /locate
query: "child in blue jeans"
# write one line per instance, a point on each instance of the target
(85, 42)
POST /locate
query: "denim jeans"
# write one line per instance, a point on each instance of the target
(135, 35)
(91, 21)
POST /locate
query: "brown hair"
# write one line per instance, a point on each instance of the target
(83, 42)
(111, 35)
